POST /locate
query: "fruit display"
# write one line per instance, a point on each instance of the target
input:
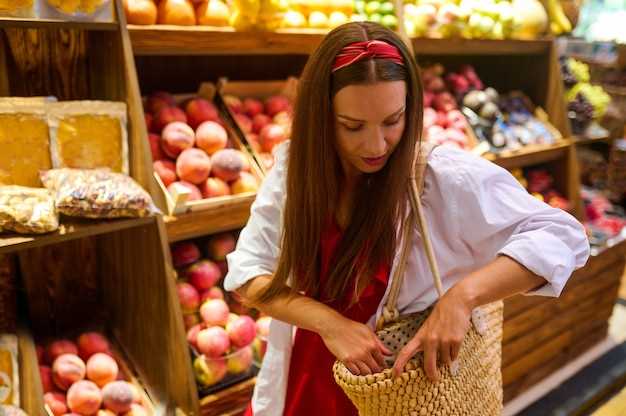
(444, 123)
(85, 377)
(263, 120)
(178, 12)
(585, 102)
(192, 152)
(382, 12)
(475, 19)
(316, 14)
(539, 183)
(224, 338)
(604, 220)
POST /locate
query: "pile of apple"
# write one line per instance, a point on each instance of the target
(540, 184)
(264, 124)
(444, 123)
(177, 12)
(225, 342)
(191, 149)
(83, 378)
(317, 14)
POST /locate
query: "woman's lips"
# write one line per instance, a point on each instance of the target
(374, 161)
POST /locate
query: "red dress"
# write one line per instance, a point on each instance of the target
(311, 388)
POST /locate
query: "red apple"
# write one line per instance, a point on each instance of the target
(233, 103)
(166, 169)
(155, 147)
(276, 104)
(188, 297)
(203, 275)
(158, 101)
(194, 192)
(184, 253)
(244, 122)
(168, 115)
(252, 107)
(259, 122)
(271, 135)
(214, 187)
(200, 110)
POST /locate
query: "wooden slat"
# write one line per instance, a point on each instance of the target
(25, 23)
(480, 47)
(31, 390)
(581, 345)
(199, 223)
(69, 230)
(530, 155)
(532, 318)
(229, 402)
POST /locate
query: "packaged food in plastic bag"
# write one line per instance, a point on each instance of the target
(89, 135)
(24, 140)
(9, 371)
(17, 8)
(27, 210)
(97, 193)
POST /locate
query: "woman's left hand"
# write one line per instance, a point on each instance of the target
(440, 336)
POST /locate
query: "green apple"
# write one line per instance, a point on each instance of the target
(376, 17)
(386, 8)
(372, 7)
(389, 21)
(358, 18)
(359, 6)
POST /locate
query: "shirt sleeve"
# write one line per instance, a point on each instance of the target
(258, 246)
(494, 215)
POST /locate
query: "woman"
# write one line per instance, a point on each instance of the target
(321, 241)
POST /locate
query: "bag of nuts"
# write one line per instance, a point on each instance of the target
(97, 193)
(27, 210)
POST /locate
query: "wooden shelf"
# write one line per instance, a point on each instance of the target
(426, 46)
(69, 230)
(229, 402)
(199, 40)
(530, 155)
(193, 224)
(55, 23)
(583, 141)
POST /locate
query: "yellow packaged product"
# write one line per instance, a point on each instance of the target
(97, 193)
(73, 7)
(27, 210)
(9, 371)
(16, 8)
(89, 135)
(24, 140)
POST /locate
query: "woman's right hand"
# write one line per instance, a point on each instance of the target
(355, 345)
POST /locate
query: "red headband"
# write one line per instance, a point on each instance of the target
(358, 51)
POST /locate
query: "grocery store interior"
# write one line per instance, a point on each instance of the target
(135, 135)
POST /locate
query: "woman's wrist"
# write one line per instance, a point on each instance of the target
(466, 293)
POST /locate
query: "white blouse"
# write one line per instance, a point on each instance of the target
(475, 211)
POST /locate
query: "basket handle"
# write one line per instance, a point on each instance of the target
(416, 185)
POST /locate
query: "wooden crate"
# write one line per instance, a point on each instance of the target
(177, 202)
(542, 334)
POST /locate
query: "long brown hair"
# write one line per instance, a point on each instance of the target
(314, 172)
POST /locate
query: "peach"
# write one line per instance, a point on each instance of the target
(149, 119)
(220, 245)
(241, 331)
(253, 141)
(158, 101)
(223, 265)
(155, 147)
(57, 403)
(105, 412)
(67, 370)
(246, 183)
(40, 350)
(232, 317)
(259, 348)
(102, 369)
(214, 312)
(213, 13)
(227, 164)
(283, 119)
(233, 103)
(240, 361)
(268, 160)
(188, 297)
(45, 373)
(259, 122)
(213, 342)
(166, 169)
(244, 122)
(184, 253)
(209, 371)
(136, 395)
(203, 275)
(176, 12)
(252, 107)
(263, 326)
(246, 162)
(276, 104)
(176, 137)
(211, 137)
(59, 347)
(193, 165)
(190, 319)
(168, 115)
(136, 410)
(91, 343)
(192, 334)
(271, 135)
(140, 12)
(200, 110)
(118, 396)
(194, 192)
(214, 187)
(84, 397)
(213, 293)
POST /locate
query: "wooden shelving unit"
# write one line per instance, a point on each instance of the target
(457, 47)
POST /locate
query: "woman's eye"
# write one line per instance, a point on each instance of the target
(352, 128)
(393, 122)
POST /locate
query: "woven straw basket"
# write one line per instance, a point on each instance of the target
(472, 386)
